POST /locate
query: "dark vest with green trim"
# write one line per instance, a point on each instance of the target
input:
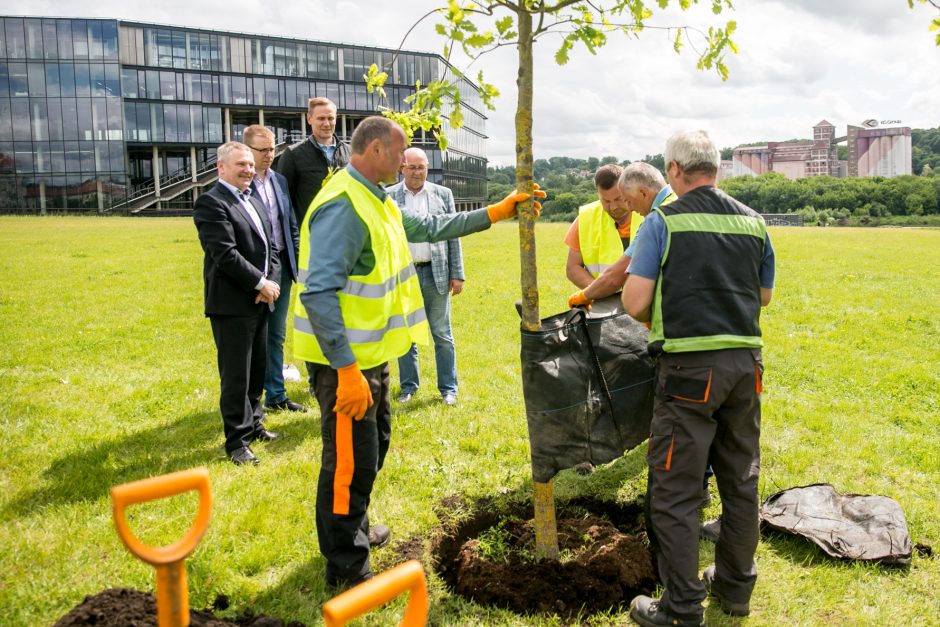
(708, 293)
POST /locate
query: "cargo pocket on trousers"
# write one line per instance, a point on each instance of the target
(660, 448)
(688, 384)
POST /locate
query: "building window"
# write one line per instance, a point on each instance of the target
(15, 38)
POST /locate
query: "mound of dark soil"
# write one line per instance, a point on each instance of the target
(122, 607)
(487, 554)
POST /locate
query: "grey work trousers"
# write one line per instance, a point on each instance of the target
(707, 408)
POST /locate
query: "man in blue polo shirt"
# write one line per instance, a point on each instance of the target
(702, 270)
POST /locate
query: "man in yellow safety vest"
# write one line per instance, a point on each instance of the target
(643, 188)
(359, 306)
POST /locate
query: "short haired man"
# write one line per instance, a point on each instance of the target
(440, 274)
(307, 164)
(358, 307)
(241, 271)
(643, 188)
(702, 270)
(271, 189)
(597, 238)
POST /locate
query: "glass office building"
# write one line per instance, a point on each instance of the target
(107, 115)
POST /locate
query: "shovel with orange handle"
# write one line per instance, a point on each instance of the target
(380, 590)
(172, 593)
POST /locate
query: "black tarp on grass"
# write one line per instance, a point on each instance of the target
(587, 380)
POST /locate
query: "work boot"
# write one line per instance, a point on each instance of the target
(728, 607)
(711, 530)
(379, 535)
(647, 612)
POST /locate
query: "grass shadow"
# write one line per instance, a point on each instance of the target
(802, 552)
(89, 473)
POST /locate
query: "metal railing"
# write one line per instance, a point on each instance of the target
(185, 175)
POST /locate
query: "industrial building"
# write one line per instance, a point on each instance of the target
(106, 115)
(871, 152)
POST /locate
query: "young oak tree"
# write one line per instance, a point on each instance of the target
(478, 28)
(481, 27)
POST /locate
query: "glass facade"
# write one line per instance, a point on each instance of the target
(61, 126)
(89, 109)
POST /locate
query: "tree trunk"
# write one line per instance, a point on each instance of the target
(546, 531)
(530, 288)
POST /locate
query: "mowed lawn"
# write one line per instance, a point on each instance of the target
(107, 375)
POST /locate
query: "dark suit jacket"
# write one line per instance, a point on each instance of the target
(286, 219)
(234, 253)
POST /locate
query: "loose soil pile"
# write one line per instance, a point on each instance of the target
(122, 607)
(487, 554)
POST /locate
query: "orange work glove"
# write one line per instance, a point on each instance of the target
(353, 396)
(506, 208)
(579, 300)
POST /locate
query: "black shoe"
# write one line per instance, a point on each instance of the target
(287, 404)
(242, 456)
(646, 611)
(379, 536)
(264, 435)
(404, 397)
(711, 530)
(728, 607)
(339, 585)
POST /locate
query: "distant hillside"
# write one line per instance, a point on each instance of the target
(570, 183)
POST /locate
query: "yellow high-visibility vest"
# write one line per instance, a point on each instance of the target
(383, 310)
(599, 239)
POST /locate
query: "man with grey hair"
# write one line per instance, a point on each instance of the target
(643, 188)
(241, 271)
(702, 270)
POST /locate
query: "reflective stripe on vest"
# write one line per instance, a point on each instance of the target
(701, 306)
(599, 239)
(383, 312)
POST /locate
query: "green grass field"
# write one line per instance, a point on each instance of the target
(107, 375)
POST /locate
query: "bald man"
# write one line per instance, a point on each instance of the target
(440, 273)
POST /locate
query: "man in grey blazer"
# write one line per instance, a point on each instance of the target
(271, 189)
(440, 273)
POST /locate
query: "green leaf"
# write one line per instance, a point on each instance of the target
(456, 118)
(561, 56)
(504, 25)
(478, 41)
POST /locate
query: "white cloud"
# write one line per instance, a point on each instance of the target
(801, 61)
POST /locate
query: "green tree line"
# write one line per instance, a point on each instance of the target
(820, 200)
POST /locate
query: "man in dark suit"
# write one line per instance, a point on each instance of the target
(271, 189)
(241, 269)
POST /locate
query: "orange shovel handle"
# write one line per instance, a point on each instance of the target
(380, 590)
(157, 488)
(172, 591)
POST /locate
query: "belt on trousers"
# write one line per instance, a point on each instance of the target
(422, 264)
